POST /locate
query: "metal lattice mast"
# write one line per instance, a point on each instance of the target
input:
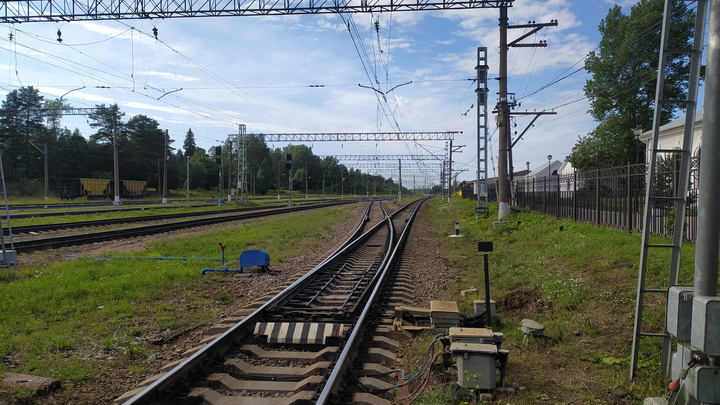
(9, 256)
(657, 196)
(482, 133)
(242, 162)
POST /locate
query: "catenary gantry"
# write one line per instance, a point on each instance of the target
(358, 158)
(362, 136)
(78, 10)
(404, 165)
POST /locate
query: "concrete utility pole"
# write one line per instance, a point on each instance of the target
(453, 149)
(503, 120)
(44, 151)
(449, 173)
(505, 103)
(290, 188)
(116, 174)
(47, 186)
(187, 178)
(165, 168)
(400, 180)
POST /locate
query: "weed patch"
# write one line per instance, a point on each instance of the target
(576, 279)
(78, 319)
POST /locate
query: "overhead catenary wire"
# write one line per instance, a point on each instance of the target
(70, 62)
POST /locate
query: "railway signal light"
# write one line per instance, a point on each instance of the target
(218, 154)
(288, 165)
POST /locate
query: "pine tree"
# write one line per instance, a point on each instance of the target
(189, 144)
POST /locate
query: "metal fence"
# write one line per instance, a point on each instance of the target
(613, 197)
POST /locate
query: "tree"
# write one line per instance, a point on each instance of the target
(71, 154)
(624, 72)
(258, 156)
(53, 112)
(103, 119)
(146, 143)
(189, 144)
(21, 122)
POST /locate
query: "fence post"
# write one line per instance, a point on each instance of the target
(545, 195)
(597, 195)
(557, 197)
(629, 199)
(574, 194)
(533, 194)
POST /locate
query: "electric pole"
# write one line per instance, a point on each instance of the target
(230, 153)
(165, 168)
(400, 181)
(450, 171)
(116, 174)
(505, 103)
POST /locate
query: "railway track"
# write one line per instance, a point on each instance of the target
(92, 237)
(124, 208)
(301, 344)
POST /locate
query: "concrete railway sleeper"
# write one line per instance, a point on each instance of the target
(300, 345)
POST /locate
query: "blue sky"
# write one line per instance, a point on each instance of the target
(264, 72)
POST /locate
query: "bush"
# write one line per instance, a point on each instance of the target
(26, 188)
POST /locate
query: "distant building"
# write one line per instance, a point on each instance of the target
(491, 185)
(536, 179)
(671, 136)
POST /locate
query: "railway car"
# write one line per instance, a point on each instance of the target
(98, 189)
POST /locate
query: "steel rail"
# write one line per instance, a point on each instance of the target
(358, 230)
(16, 230)
(334, 381)
(126, 209)
(73, 240)
(218, 346)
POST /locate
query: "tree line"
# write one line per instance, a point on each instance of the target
(624, 70)
(28, 123)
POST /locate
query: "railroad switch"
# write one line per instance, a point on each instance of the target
(250, 262)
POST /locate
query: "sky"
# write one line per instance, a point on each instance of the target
(406, 71)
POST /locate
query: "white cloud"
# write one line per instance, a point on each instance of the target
(170, 76)
(257, 71)
(102, 28)
(146, 106)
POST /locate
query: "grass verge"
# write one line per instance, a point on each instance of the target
(576, 279)
(78, 320)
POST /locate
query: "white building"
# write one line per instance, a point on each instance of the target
(540, 175)
(671, 136)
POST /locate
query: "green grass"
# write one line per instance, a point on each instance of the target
(578, 280)
(149, 210)
(63, 319)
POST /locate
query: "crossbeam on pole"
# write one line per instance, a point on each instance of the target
(80, 10)
(360, 158)
(361, 136)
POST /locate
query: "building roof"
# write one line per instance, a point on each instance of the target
(542, 170)
(680, 122)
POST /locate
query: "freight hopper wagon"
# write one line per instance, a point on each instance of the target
(98, 189)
